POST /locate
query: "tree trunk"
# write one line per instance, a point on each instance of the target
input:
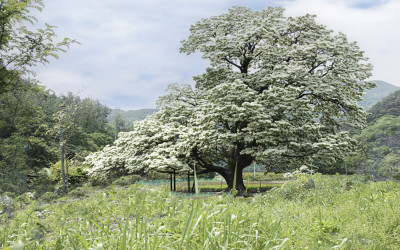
(229, 176)
(66, 169)
(62, 158)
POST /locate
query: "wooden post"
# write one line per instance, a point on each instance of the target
(170, 179)
(254, 170)
(174, 181)
(188, 182)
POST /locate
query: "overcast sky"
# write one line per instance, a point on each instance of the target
(129, 49)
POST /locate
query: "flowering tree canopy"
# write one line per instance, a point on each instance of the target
(278, 91)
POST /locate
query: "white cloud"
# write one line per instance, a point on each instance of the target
(130, 49)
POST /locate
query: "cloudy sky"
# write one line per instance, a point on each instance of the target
(129, 49)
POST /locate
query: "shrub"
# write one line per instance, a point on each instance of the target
(48, 196)
(43, 183)
(127, 180)
(76, 174)
(78, 192)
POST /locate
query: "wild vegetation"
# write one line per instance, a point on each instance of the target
(30, 115)
(280, 92)
(340, 213)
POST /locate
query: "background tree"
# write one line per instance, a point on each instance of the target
(22, 48)
(29, 141)
(278, 92)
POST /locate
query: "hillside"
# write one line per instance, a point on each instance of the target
(380, 140)
(131, 116)
(389, 105)
(374, 95)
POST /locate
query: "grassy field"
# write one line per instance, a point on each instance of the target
(339, 213)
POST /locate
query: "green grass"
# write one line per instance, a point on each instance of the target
(339, 213)
(263, 177)
(251, 188)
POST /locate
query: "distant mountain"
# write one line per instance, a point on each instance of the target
(389, 105)
(374, 95)
(131, 116)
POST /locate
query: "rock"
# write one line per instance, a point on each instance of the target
(7, 204)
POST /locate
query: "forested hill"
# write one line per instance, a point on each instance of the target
(131, 116)
(380, 140)
(389, 105)
(374, 95)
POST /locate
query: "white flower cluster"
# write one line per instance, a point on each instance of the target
(302, 170)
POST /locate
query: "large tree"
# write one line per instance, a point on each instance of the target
(278, 91)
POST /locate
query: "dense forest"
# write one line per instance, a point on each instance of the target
(31, 119)
(379, 142)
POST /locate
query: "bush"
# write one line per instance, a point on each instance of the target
(153, 175)
(10, 194)
(127, 180)
(78, 192)
(48, 196)
(76, 175)
(43, 183)
(12, 184)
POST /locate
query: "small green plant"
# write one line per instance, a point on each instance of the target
(79, 192)
(49, 196)
(127, 180)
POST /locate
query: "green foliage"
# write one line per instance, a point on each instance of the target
(41, 153)
(78, 192)
(379, 153)
(29, 135)
(49, 196)
(127, 180)
(154, 175)
(98, 141)
(23, 48)
(76, 174)
(390, 105)
(331, 216)
(251, 187)
(264, 176)
(42, 183)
